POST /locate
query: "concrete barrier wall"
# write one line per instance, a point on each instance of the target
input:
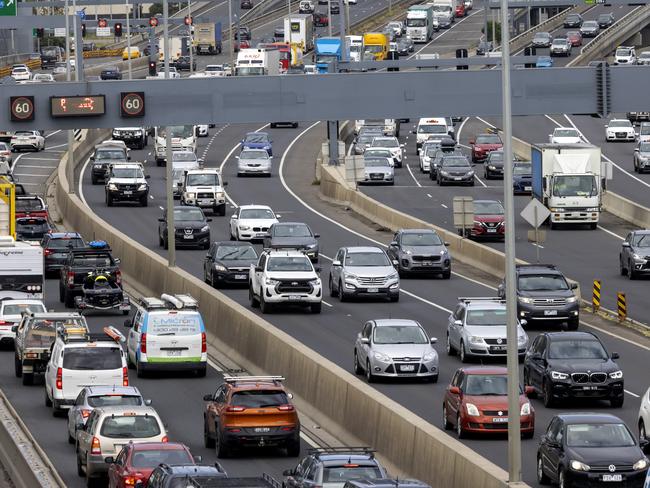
(627, 209)
(348, 405)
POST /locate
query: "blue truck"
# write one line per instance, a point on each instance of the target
(327, 51)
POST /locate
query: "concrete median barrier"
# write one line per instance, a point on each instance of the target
(348, 406)
(627, 209)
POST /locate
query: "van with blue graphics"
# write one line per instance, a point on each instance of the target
(167, 334)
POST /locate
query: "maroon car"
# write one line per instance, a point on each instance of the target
(489, 220)
(575, 38)
(321, 19)
(483, 144)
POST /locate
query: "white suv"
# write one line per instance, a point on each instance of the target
(391, 143)
(126, 182)
(204, 188)
(81, 359)
(620, 130)
(285, 276)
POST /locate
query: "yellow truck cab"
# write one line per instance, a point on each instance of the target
(375, 46)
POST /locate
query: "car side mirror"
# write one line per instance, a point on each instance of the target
(208, 398)
(454, 390)
(459, 323)
(148, 402)
(625, 244)
(615, 355)
(197, 459)
(234, 216)
(365, 340)
(523, 322)
(393, 244)
(317, 269)
(433, 340)
(127, 323)
(316, 236)
(118, 260)
(446, 243)
(336, 263)
(536, 356)
(472, 142)
(179, 184)
(128, 158)
(413, 132)
(395, 262)
(644, 444)
(288, 472)
(225, 183)
(80, 426)
(146, 177)
(574, 286)
(529, 391)
(14, 328)
(160, 219)
(208, 219)
(258, 269)
(109, 460)
(278, 216)
(92, 158)
(236, 157)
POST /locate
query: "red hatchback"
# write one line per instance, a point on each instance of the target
(575, 38)
(489, 219)
(483, 144)
(476, 401)
(135, 462)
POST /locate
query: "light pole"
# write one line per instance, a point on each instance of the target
(329, 17)
(191, 36)
(514, 426)
(289, 33)
(128, 35)
(171, 232)
(232, 39)
(70, 172)
(342, 31)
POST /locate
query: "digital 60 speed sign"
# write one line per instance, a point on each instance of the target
(22, 108)
(132, 104)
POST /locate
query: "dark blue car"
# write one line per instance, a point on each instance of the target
(522, 177)
(257, 140)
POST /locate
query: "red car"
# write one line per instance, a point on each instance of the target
(135, 462)
(489, 219)
(460, 10)
(575, 38)
(320, 19)
(483, 144)
(476, 401)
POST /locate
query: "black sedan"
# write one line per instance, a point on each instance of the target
(228, 263)
(55, 248)
(111, 73)
(405, 46)
(573, 20)
(183, 64)
(246, 4)
(191, 228)
(606, 20)
(590, 449)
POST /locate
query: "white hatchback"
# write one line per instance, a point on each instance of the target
(251, 222)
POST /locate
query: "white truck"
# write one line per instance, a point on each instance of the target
(175, 48)
(420, 23)
(204, 188)
(251, 62)
(568, 180)
(22, 269)
(444, 12)
(183, 138)
(354, 45)
(299, 29)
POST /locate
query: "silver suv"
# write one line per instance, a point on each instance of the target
(363, 271)
(477, 327)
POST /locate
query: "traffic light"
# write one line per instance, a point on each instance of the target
(152, 68)
(153, 21)
(118, 30)
(40, 33)
(83, 30)
(188, 20)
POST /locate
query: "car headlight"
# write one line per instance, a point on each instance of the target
(220, 267)
(351, 276)
(472, 410)
(557, 209)
(392, 276)
(408, 251)
(578, 466)
(556, 375)
(430, 356)
(244, 227)
(470, 173)
(593, 209)
(315, 282)
(491, 167)
(312, 246)
(637, 256)
(142, 187)
(444, 173)
(640, 464)
(205, 228)
(616, 375)
(522, 339)
(112, 186)
(572, 299)
(476, 340)
(525, 300)
(191, 195)
(380, 356)
(271, 282)
(219, 194)
(525, 409)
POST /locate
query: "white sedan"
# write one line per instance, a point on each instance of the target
(620, 130)
(565, 135)
(251, 222)
(27, 139)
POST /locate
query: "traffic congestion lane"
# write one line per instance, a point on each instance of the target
(177, 398)
(32, 169)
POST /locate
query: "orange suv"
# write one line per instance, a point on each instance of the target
(249, 411)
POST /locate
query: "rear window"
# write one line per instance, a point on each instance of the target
(93, 260)
(114, 400)
(152, 458)
(259, 398)
(130, 426)
(174, 324)
(65, 243)
(92, 358)
(19, 308)
(28, 204)
(341, 474)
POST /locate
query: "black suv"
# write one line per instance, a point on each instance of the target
(493, 165)
(190, 225)
(544, 294)
(332, 465)
(55, 248)
(606, 20)
(228, 263)
(172, 476)
(568, 365)
(573, 20)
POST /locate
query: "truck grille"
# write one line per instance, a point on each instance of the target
(205, 195)
(294, 286)
(589, 377)
(549, 302)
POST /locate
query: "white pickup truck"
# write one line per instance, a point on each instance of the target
(204, 188)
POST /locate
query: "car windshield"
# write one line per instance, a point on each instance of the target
(575, 186)
(644, 129)
(18, 308)
(259, 398)
(560, 41)
(488, 139)
(565, 133)
(573, 17)
(623, 52)
(182, 131)
(40, 334)
(486, 317)
(152, 458)
(127, 173)
(376, 162)
(384, 153)
(28, 204)
(576, 349)
(257, 138)
(87, 260)
(340, 474)
(130, 426)
(188, 214)
(641, 240)
(620, 123)
(415, 239)
(178, 156)
(262, 154)
(599, 435)
(455, 162)
(495, 157)
(399, 334)
(114, 400)
(257, 213)
(590, 23)
(542, 36)
(523, 169)
(488, 208)
(486, 385)
(644, 147)
(175, 324)
(214, 68)
(542, 283)
(287, 230)
(432, 129)
(92, 358)
(365, 138)
(366, 259)
(385, 142)
(209, 179)
(573, 34)
(227, 252)
(109, 154)
(286, 263)
(603, 17)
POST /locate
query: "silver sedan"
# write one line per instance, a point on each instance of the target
(254, 161)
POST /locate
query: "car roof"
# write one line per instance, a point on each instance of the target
(285, 253)
(387, 482)
(253, 207)
(133, 165)
(495, 304)
(487, 201)
(23, 301)
(571, 336)
(160, 446)
(359, 249)
(644, 232)
(192, 469)
(121, 410)
(417, 231)
(537, 269)
(393, 322)
(257, 133)
(199, 171)
(233, 243)
(115, 390)
(580, 418)
(64, 235)
(290, 223)
(478, 370)
(334, 459)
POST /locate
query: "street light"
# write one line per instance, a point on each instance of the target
(171, 234)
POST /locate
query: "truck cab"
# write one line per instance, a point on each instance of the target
(375, 46)
(328, 51)
(204, 188)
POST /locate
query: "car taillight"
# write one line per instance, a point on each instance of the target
(235, 409)
(70, 278)
(204, 343)
(47, 252)
(118, 277)
(129, 480)
(165, 439)
(286, 408)
(143, 343)
(95, 447)
(125, 376)
(85, 413)
(59, 379)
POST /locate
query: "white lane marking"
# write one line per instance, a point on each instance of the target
(480, 181)
(328, 304)
(413, 176)
(443, 205)
(429, 195)
(81, 179)
(37, 167)
(631, 394)
(460, 130)
(52, 134)
(553, 120)
(161, 207)
(15, 161)
(485, 122)
(611, 233)
(443, 33)
(537, 245)
(58, 145)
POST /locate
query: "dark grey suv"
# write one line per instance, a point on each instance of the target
(420, 251)
(543, 294)
(634, 258)
(293, 235)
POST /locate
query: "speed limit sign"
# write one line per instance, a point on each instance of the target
(132, 104)
(22, 108)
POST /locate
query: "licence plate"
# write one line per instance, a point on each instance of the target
(188, 237)
(407, 367)
(589, 387)
(262, 429)
(491, 231)
(550, 312)
(294, 297)
(128, 192)
(206, 202)
(174, 353)
(499, 348)
(261, 234)
(528, 188)
(612, 477)
(427, 263)
(500, 419)
(457, 178)
(240, 277)
(373, 290)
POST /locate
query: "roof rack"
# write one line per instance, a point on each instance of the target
(180, 301)
(152, 303)
(342, 450)
(253, 379)
(82, 334)
(550, 266)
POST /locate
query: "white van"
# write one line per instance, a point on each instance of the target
(431, 127)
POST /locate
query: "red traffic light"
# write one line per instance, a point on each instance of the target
(153, 22)
(102, 23)
(188, 20)
(118, 30)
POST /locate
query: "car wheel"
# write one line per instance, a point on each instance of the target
(316, 307)
(369, 376)
(446, 424)
(18, 366)
(144, 202)
(80, 468)
(48, 402)
(68, 299)
(394, 299)
(165, 243)
(331, 287)
(617, 402)
(220, 446)
(622, 269)
(207, 440)
(341, 293)
(446, 274)
(264, 307)
(460, 432)
(542, 479)
(109, 200)
(71, 440)
(28, 379)
(561, 483)
(357, 367)
(573, 324)
(547, 395)
(251, 297)
(293, 448)
(450, 349)
(462, 353)
(631, 274)
(642, 432)
(139, 370)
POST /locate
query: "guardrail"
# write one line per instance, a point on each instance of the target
(28, 466)
(102, 53)
(602, 44)
(31, 64)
